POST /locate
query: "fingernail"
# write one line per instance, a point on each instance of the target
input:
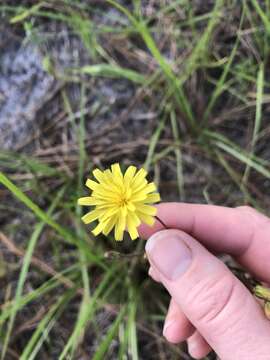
(192, 345)
(169, 253)
(153, 274)
(167, 325)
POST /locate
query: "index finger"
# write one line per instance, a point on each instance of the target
(241, 232)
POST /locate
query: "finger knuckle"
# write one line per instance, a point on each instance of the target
(210, 299)
(246, 208)
(253, 216)
(257, 223)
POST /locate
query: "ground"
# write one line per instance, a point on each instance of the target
(179, 87)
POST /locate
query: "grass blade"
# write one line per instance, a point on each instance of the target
(104, 345)
(112, 71)
(177, 89)
(262, 15)
(86, 311)
(178, 156)
(153, 143)
(46, 287)
(26, 13)
(131, 326)
(25, 267)
(65, 234)
(258, 118)
(221, 82)
(44, 327)
(238, 153)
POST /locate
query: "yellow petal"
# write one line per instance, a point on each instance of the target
(120, 227)
(139, 179)
(87, 201)
(95, 201)
(134, 218)
(132, 228)
(141, 174)
(105, 195)
(106, 181)
(116, 171)
(109, 213)
(122, 220)
(109, 225)
(152, 198)
(117, 177)
(91, 184)
(129, 174)
(133, 232)
(139, 196)
(105, 206)
(108, 176)
(98, 229)
(151, 187)
(119, 230)
(91, 216)
(99, 175)
(146, 209)
(146, 219)
(130, 206)
(144, 188)
(123, 211)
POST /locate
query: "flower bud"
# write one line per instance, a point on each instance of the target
(267, 309)
(262, 292)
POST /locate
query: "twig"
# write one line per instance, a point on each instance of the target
(48, 270)
(70, 284)
(38, 263)
(161, 222)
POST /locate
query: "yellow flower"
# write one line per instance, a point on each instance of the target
(121, 201)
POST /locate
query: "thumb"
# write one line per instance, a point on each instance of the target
(213, 299)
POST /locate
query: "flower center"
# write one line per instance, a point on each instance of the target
(124, 197)
(123, 201)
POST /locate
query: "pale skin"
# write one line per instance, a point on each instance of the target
(210, 308)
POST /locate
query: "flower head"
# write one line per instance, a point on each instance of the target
(121, 201)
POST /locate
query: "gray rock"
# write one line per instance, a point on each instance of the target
(24, 88)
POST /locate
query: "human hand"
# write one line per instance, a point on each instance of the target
(210, 307)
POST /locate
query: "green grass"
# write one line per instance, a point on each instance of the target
(199, 84)
(25, 268)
